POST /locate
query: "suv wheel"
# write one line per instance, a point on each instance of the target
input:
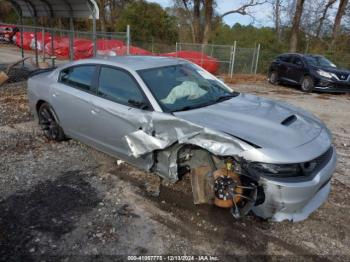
(273, 79)
(48, 123)
(307, 84)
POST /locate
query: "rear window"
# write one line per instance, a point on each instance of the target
(285, 58)
(79, 76)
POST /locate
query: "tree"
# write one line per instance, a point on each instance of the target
(323, 17)
(337, 21)
(294, 38)
(202, 15)
(277, 18)
(208, 13)
(148, 21)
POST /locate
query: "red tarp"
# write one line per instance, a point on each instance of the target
(83, 48)
(28, 39)
(207, 62)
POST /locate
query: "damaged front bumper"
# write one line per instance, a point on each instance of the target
(295, 201)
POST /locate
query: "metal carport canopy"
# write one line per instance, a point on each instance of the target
(57, 8)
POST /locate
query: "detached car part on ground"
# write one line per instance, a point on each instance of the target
(171, 117)
(310, 72)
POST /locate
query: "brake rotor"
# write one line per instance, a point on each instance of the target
(227, 188)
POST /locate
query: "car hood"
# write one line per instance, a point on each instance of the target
(262, 122)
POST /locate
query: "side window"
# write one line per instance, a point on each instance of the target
(79, 76)
(118, 86)
(297, 61)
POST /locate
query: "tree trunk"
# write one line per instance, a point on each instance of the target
(323, 17)
(208, 5)
(338, 18)
(277, 15)
(102, 15)
(294, 39)
(197, 20)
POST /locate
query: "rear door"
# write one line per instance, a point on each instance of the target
(71, 99)
(283, 66)
(296, 71)
(118, 109)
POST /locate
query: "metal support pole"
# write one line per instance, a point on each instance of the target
(22, 28)
(36, 43)
(71, 39)
(43, 42)
(176, 49)
(52, 47)
(128, 40)
(233, 58)
(257, 59)
(202, 55)
(253, 59)
(230, 63)
(94, 32)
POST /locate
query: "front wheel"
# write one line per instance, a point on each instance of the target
(48, 123)
(307, 84)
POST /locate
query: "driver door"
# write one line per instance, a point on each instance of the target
(118, 110)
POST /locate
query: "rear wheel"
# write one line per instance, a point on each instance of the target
(307, 84)
(49, 124)
(273, 79)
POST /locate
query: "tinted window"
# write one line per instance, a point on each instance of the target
(120, 87)
(297, 61)
(286, 58)
(79, 76)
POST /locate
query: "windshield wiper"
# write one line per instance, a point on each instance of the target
(185, 108)
(225, 97)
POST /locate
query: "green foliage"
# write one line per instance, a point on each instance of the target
(148, 21)
(246, 36)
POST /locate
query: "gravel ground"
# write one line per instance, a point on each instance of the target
(66, 199)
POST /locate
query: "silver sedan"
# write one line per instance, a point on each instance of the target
(172, 118)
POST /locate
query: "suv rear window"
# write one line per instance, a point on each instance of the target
(285, 58)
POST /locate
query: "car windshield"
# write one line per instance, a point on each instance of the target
(319, 61)
(184, 86)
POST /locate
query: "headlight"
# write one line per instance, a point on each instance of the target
(275, 170)
(324, 73)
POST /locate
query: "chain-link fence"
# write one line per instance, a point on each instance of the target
(55, 43)
(230, 59)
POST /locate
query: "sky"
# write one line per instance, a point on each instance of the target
(261, 12)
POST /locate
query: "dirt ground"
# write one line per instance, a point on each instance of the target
(66, 199)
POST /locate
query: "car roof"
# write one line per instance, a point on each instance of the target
(300, 55)
(142, 62)
(289, 54)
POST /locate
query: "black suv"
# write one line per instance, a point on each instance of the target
(311, 72)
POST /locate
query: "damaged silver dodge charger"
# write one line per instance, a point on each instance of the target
(171, 117)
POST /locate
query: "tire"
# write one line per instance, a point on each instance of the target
(273, 78)
(307, 84)
(48, 123)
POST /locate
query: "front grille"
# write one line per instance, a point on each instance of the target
(315, 165)
(342, 76)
